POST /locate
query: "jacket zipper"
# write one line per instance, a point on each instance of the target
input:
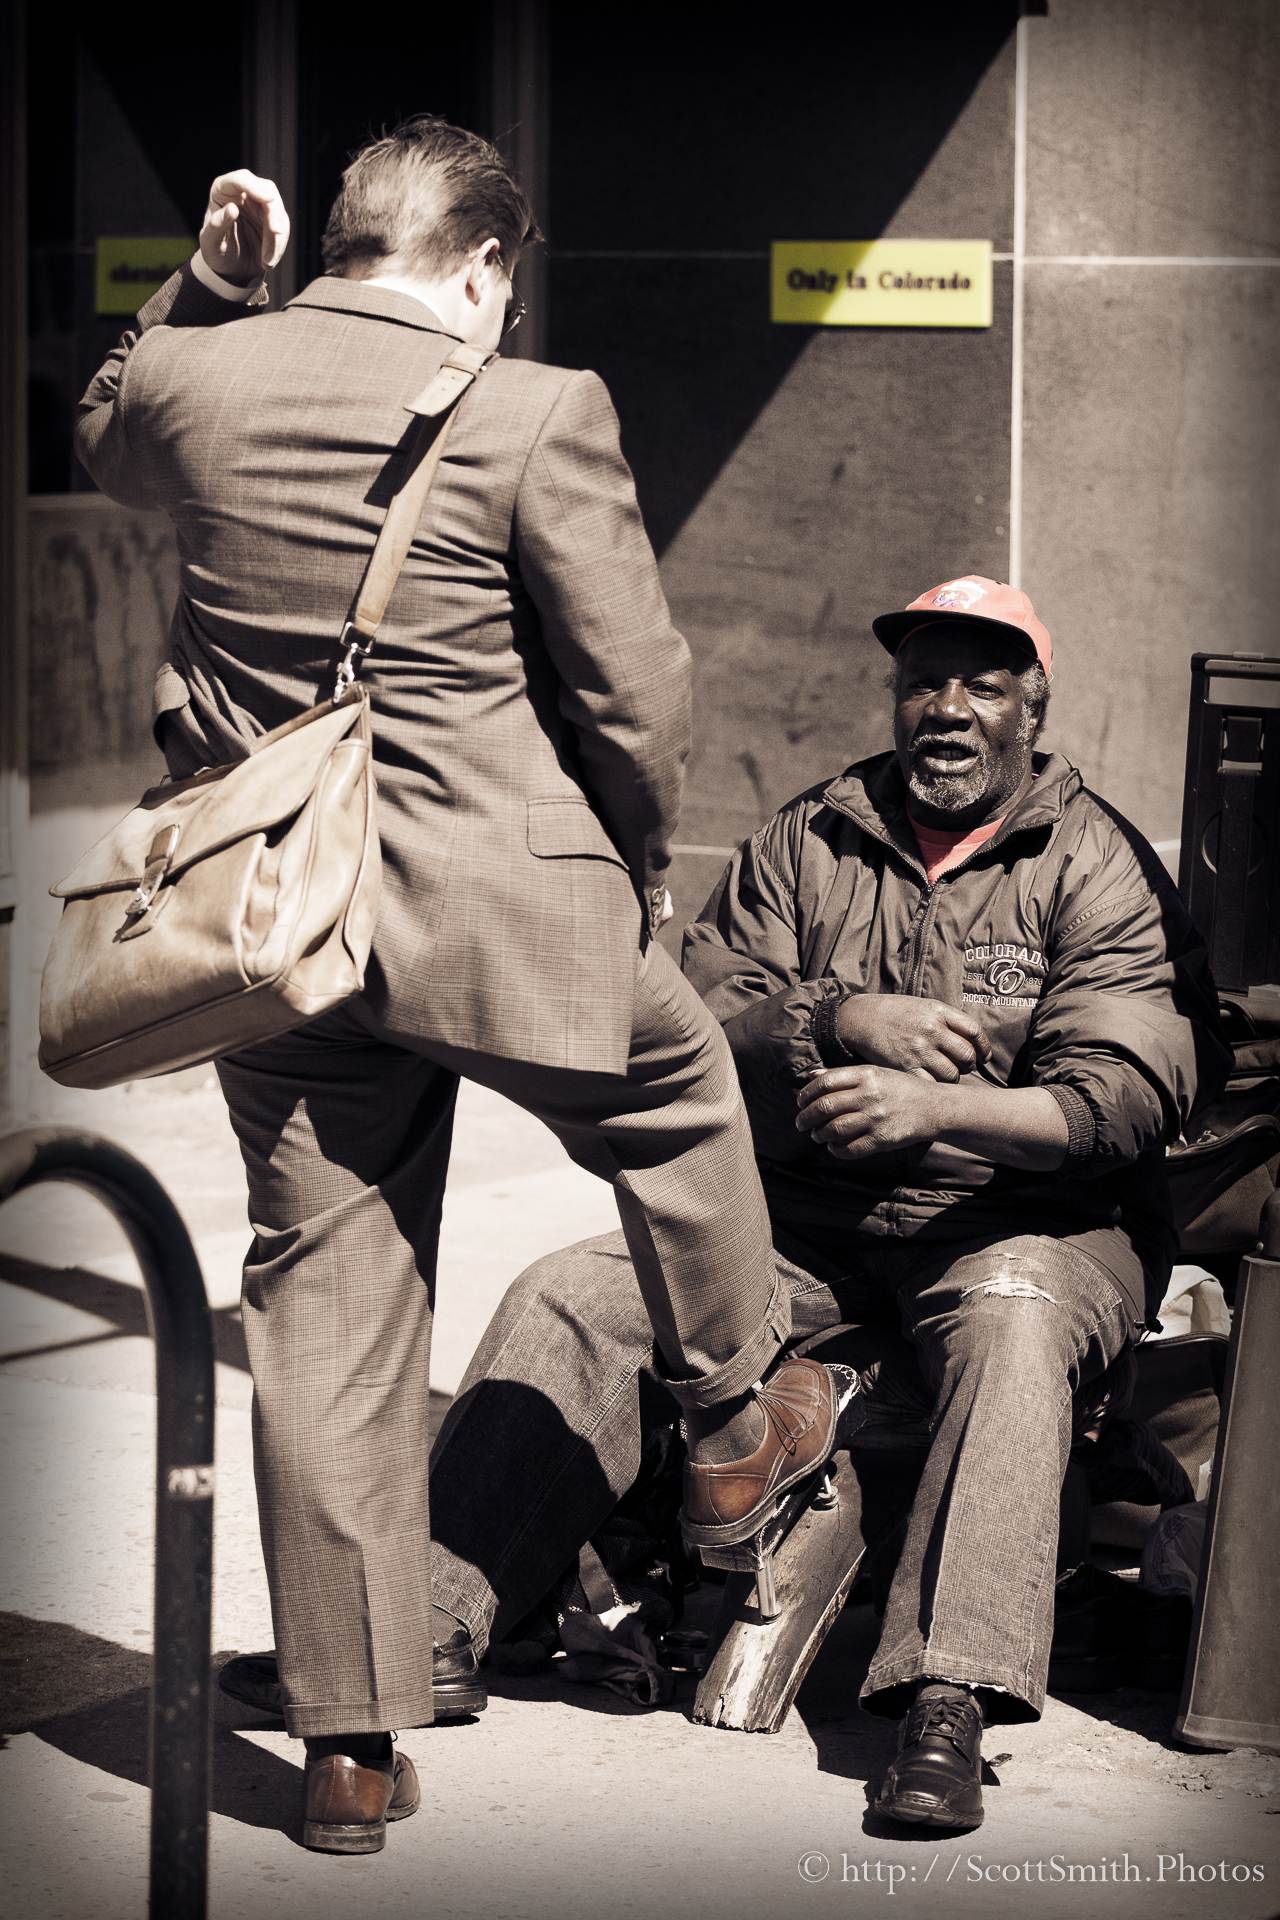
(919, 939)
(926, 913)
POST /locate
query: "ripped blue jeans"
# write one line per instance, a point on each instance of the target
(1008, 1336)
(990, 1346)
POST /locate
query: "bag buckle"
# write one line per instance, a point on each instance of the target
(356, 648)
(159, 861)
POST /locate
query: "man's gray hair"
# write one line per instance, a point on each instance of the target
(1034, 682)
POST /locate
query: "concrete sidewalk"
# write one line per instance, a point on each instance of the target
(558, 1800)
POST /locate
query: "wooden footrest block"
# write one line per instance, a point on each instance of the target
(756, 1666)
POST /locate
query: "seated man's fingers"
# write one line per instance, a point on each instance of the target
(830, 1080)
(863, 1147)
(825, 1113)
(842, 1127)
(969, 1029)
(958, 1051)
(943, 1065)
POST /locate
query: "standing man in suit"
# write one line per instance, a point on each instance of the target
(530, 703)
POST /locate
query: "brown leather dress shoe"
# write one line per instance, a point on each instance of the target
(729, 1501)
(347, 1805)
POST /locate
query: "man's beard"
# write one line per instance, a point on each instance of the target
(951, 791)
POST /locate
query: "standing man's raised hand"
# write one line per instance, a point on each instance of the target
(246, 227)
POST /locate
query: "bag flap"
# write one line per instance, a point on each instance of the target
(219, 805)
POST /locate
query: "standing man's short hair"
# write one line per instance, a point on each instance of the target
(425, 194)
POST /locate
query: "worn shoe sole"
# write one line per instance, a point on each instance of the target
(793, 1492)
(456, 1703)
(324, 1836)
(921, 1810)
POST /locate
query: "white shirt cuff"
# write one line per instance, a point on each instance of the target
(225, 289)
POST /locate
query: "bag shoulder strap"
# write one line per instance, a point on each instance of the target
(434, 407)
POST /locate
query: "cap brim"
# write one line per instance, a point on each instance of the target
(891, 629)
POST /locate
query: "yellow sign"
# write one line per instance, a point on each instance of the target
(129, 271)
(882, 283)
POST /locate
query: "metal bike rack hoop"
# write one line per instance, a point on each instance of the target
(182, 1329)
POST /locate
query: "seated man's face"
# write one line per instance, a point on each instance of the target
(962, 730)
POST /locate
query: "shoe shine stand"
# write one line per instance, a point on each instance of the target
(183, 1332)
(782, 1598)
(771, 1627)
(1229, 876)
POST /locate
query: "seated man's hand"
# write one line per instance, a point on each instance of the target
(246, 227)
(897, 1030)
(856, 1112)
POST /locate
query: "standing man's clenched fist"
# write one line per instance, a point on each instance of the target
(246, 226)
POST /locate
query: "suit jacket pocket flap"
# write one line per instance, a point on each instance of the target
(217, 807)
(562, 827)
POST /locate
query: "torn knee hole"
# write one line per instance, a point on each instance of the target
(1007, 1286)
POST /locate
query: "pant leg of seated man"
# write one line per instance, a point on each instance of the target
(1006, 1333)
(543, 1437)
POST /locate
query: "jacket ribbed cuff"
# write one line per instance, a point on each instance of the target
(1082, 1128)
(822, 1026)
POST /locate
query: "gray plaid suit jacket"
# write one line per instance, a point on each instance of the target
(530, 696)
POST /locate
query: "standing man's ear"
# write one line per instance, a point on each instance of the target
(485, 261)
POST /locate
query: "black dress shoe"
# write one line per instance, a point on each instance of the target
(936, 1778)
(456, 1685)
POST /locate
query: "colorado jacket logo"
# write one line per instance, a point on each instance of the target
(1003, 973)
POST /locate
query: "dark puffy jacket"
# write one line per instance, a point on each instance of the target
(1063, 935)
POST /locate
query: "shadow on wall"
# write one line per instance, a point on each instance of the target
(694, 141)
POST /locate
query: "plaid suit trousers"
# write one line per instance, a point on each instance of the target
(345, 1132)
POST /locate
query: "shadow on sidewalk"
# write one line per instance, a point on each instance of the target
(125, 1307)
(90, 1698)
(114, 1300)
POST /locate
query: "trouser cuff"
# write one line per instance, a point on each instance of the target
(462, 1590)
(1006, 1696)
(363, 1716)
(750, 1363)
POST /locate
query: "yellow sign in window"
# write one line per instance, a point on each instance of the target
(130, 270)
(882, 283)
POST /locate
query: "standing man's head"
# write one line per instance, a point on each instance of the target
(971, 671)
(434, 210)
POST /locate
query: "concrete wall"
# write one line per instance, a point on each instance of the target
(1150, 478)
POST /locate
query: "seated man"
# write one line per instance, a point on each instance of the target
(968, 1013)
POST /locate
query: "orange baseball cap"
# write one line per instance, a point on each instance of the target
(992, 602)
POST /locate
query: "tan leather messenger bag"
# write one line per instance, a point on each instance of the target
(241, 902)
